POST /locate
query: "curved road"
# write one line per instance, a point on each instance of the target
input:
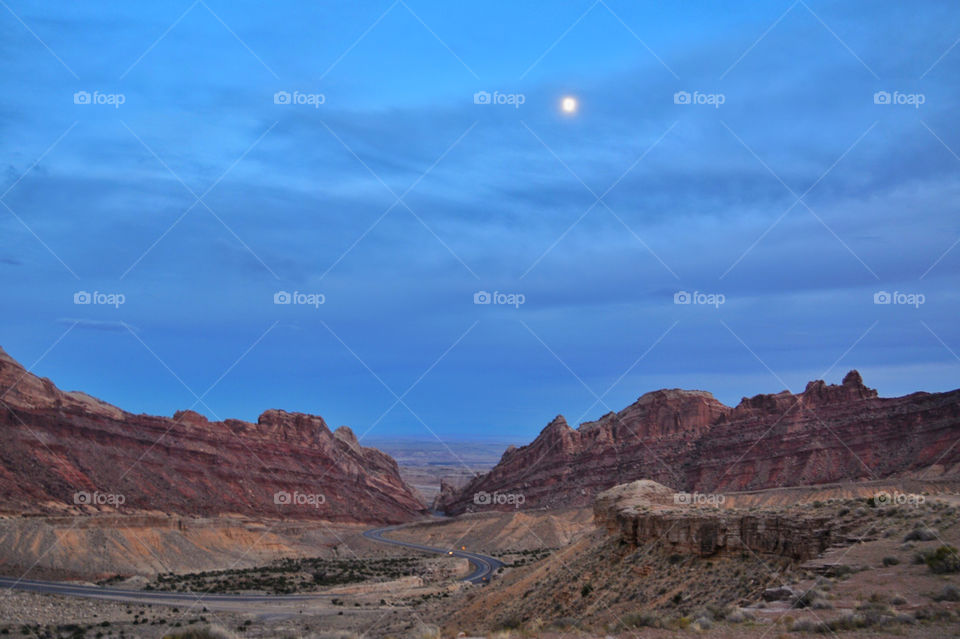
(484, 567)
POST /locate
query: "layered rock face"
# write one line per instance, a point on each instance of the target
(641, 513)
(69, 452)
(567, 467)
(690, 441)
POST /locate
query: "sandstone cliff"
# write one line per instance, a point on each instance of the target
(69, 452)
(690, 441)
(644, 512)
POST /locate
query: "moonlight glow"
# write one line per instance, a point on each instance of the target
(569, 104)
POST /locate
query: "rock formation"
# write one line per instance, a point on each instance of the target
(690, 441)
(643, 512)
(68, 452)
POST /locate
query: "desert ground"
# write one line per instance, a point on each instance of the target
(562, 576)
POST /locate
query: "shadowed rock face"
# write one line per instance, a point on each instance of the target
(54, 444)
(640, 513)
(690, 441)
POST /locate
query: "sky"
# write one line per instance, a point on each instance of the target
(379, 212)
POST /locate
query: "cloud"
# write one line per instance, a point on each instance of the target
(98, 325)
(508, 194)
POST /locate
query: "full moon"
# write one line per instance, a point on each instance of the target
(569, 104)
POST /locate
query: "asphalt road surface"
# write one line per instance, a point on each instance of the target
(484, 566)
(483, 569)
(212, 602)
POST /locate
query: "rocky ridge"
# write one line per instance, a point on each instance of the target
(67, 452)
(690, 441)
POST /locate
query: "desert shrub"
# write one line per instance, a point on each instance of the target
(811, 599)
(840, 572)
(942, 560)
(921, 534)
(905, 618)
(586, 590)
(890, 561)
(805, 625)
(562, 623)
(715, 613)
(426, 631)
(207, 632)
(933, 614)
(848, 622)
(641, 620)
(513, 622)
(949, 593)
(898, 600)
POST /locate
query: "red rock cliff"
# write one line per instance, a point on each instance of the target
(690, 441)
(55, 445)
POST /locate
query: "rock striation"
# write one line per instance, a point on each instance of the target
(690, 441)
(643, 513)
(67, 452)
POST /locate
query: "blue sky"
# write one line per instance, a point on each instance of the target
(397, 199)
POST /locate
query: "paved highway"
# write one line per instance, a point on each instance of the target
(484, 566)
(213, 602)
